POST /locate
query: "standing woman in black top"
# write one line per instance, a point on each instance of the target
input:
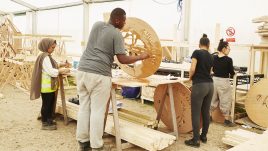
(202, 91)
(223, 69)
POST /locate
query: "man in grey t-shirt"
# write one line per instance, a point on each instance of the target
(94, 77)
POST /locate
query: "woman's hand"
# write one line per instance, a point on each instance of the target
(66, 64)
(64, 70)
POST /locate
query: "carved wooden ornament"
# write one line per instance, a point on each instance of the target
(140, 37)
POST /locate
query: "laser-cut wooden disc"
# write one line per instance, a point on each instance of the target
(140, 37)
(256, 103)
(182, 104)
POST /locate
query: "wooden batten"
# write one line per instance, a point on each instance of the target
(144, 137)
(139, 135)
(258, 143)
(238, 136)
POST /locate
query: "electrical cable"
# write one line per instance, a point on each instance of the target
(179, 9)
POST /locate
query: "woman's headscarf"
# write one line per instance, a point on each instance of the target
(45, 43)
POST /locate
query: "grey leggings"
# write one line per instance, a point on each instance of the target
(200, 104)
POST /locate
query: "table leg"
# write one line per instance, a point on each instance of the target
(116, 122)
(173, 113)
(64, 110)
(159, 112)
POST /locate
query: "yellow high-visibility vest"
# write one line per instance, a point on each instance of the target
(46, 83)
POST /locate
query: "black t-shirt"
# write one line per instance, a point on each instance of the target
(223, 66)
(203, 66)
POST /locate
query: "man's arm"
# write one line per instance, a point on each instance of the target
(124, 59)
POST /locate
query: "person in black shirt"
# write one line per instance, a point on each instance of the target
(223, 69)
(202, 91)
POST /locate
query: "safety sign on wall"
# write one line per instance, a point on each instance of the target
(230, 32)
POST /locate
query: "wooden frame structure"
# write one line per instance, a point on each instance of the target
(263, 68)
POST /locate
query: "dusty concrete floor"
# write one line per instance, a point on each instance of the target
(20, 129)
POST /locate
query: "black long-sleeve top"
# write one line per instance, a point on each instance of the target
(223, 66)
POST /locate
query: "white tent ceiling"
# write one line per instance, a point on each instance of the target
(15, 6)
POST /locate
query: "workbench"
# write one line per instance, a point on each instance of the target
(133, 82)
(122, 79)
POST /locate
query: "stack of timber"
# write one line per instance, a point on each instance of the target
(136, 134)
(146, 138)
(263, 28)
(258, 143)
(236, 137)
(137, 118)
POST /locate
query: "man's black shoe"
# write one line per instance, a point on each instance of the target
(203, 139)
(192, 143)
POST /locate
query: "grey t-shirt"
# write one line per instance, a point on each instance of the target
(104, 42)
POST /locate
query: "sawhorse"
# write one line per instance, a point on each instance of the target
(129, 82)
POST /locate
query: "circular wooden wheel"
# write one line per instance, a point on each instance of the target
(140, 37)
(182, 104)
(256, 103)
